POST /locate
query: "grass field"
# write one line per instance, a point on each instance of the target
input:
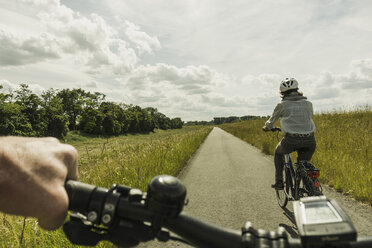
(131, 160)
(344, 148)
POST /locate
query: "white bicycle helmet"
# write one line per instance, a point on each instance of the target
(288, 84)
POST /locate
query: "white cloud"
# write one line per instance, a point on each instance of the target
(24, 50)
(143, 41)
(192, 59)
(189, 90)
(256, 37)
(333, 91)
(327, 90)
(320, 87)
(360, 77)
(48, 3)
(9, 87)
(364, 66)
(187, 79)
(203, 91)
(91, 84)
(89, 41)
(91, 38)
(263, 82)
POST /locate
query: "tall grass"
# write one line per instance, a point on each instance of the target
(344, 147)
(131, 160)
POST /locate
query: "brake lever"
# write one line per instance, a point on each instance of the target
(122, 233)
(79, 233)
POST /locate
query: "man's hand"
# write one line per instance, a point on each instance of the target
(266, 129)
(33, 172)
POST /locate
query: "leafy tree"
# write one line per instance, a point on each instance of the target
(91, 121)
(139, 119)
(55, 112)
(31, 108)
(146, 122)
(54, 116)
(93, 100)
(12, 117)
(4, 97)
(114, 121)
(249, 117)
(72, 102)
(13, 121)
(133, 118)
(176, 123)
(159, 120)
(164, 122)
(217, 120)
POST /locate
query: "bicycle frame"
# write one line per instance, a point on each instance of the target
(290, 175)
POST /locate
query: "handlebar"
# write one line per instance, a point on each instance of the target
(126, 216)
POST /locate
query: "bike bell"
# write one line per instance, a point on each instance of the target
(166, 196)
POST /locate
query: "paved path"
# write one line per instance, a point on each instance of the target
(228, 183)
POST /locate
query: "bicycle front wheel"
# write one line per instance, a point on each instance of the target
(282, 194)
(282, 198)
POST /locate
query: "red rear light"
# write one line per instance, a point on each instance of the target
(313, 173)
(317, 184)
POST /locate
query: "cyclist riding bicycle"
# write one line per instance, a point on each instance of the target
(295, 113)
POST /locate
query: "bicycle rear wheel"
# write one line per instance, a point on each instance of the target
(304, 187)
(318, 187)
(309, 185)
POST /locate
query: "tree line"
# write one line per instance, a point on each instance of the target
(55, 112)
(222, 120)
(231, 119)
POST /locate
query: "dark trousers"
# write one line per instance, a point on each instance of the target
(305, 147)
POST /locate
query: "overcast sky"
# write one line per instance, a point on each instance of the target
(192, 59)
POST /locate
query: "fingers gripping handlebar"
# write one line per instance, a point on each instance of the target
(127, 216)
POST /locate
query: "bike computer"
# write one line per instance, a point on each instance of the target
(322, 220)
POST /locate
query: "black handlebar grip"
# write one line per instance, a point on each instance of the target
(79, 195)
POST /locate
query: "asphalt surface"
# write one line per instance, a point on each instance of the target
(228, 183)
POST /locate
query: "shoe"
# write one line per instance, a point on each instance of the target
(278, 185)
